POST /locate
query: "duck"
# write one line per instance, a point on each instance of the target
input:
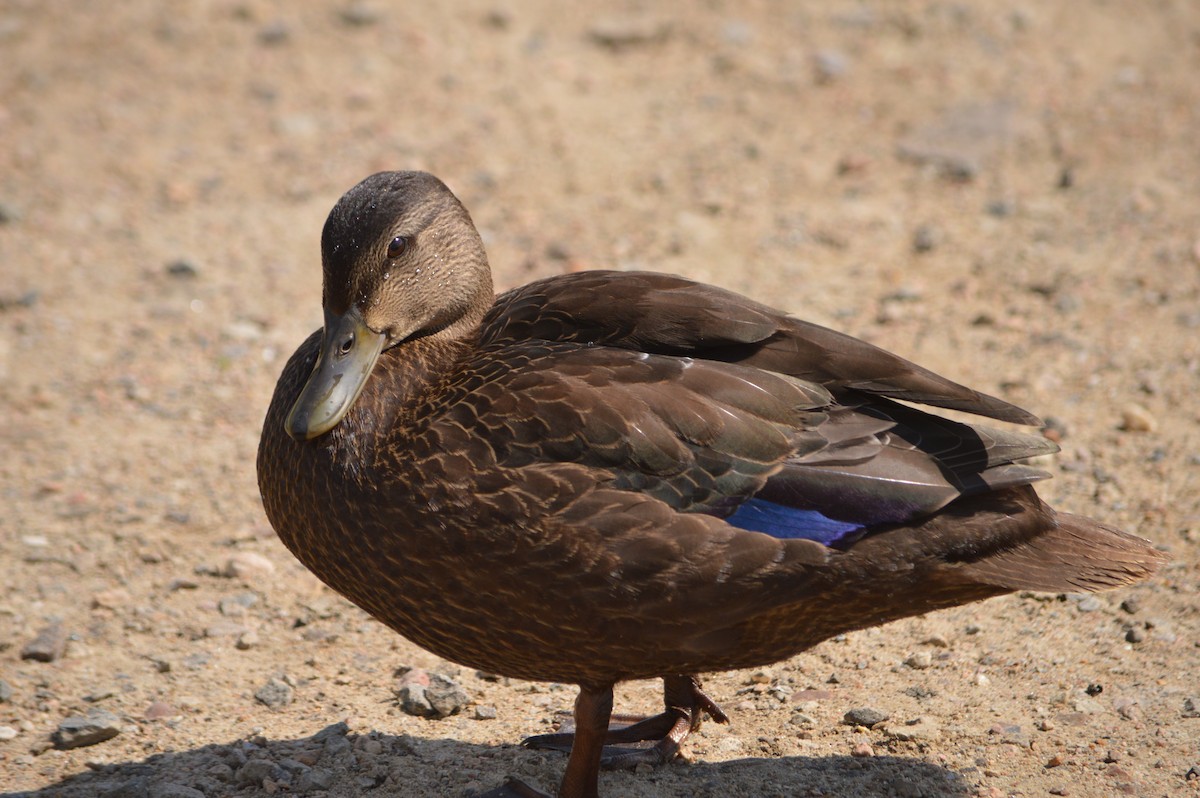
(604, 476)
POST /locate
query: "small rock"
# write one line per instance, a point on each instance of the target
(937, 641)
(862, 750)
(314, 780)
(864, 716)
(1054, 761)
(1135, 634)
(926, 238)
(111, 599)
(247, 640)
(236, 606)
(625, 32)
(173, 790)
(440, 698)
(6, 692)
(360, 15)
(1130, 605)
(7, 732)
(920, 660)
(830, 65)
(274, 33)
(801, 696)
(159, 710)
(483, 712)
(1089, 604)
(963, 138)
(224, 629)
(1135, 418)
(918, 729)
(49, 644)
(79, 731)
(256, 770)
(247, 565)
(1191, 707)
(182, 268)
(1126, 707)
(275, 693)
(9, 213)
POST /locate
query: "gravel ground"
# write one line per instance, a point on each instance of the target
(1006, 195)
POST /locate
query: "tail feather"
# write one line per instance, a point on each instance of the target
(1077, 554)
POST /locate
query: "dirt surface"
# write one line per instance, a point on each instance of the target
(1009, 196)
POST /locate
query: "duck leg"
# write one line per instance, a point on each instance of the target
(593, 708)
(685, 704)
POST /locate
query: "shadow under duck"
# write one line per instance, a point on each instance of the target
(608, 475)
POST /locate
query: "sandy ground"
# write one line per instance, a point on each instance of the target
(1009, 196)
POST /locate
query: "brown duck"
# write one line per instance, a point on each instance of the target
(606, 476)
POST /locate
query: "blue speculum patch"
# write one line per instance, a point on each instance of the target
(780, 521)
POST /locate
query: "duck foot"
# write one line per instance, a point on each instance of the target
(685, 704)
(514, 788)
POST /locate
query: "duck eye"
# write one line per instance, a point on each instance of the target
(347, 344)
(397, 246)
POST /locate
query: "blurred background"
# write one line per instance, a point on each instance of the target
(1007, 194)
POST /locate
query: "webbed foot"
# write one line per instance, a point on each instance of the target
(685, 704)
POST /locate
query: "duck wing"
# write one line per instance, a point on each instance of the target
(665, 314)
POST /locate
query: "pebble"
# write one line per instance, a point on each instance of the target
(485, 713)
(7, 732)
(926, 238)
(224, 629)
(830, 65)
(274, 33)
(111, 599)
(6, 692)
(620, 33)
(862, 750)
(962, 138)
(918, 729)
(256, 771)
(159, 710)
(864, 716)
(1089, 604)
(78, 731)
(920, 660)
(49, 644)
(1135, 634)
(1126, 707)
(801, 696)
(315, 780)
(440, 698)
(1191, 707)
(247, 565)
(1135, 418)
(182, 268)
(174, 790)
(360, 15)
(275, 693)
(247, 640)
(937, 641)
(236, 606)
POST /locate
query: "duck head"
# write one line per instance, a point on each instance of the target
(401, 260)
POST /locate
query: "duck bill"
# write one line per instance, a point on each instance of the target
(349, 350)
